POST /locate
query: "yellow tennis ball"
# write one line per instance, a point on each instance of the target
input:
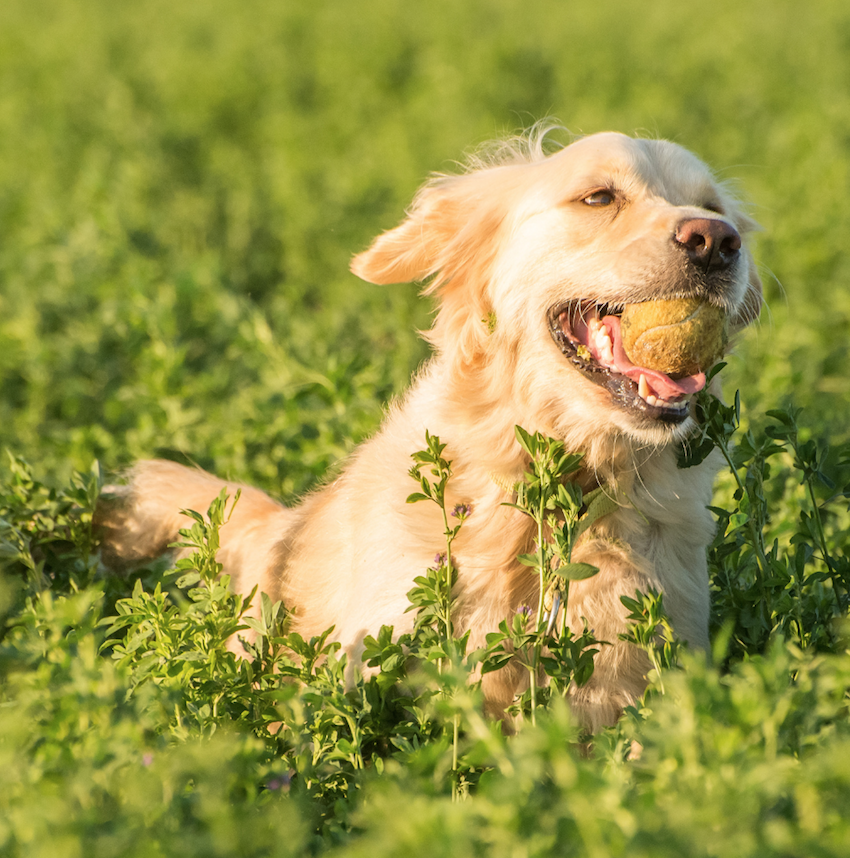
(679, 337)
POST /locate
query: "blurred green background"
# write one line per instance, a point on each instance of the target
(182, 186)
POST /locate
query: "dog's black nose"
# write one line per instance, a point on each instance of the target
(710, 243)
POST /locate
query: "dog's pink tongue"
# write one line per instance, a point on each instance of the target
(662, 385)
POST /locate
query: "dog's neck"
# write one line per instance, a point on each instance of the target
(472, 411)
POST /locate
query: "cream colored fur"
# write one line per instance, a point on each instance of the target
(504, 241)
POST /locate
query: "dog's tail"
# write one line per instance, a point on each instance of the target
(139, 521)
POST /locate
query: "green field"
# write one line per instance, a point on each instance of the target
(182, 187)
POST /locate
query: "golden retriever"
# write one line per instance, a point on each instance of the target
(531, 257)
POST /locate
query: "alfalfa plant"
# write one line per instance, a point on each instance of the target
(539, 639)
(46, 534)
(176, 636)
(432, 596)
(650, 629)
(779, 563)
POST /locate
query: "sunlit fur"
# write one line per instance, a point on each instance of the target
(498, 246)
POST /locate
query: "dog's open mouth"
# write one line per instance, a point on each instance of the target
(588, 334)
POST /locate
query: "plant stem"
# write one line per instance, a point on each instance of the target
(755, 534)
(455, 743)
(541, 566)
(357, 757)
(541, 572)
(836, 585)
(449, 539)
(533, 672)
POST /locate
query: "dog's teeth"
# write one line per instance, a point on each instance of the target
(652, 400)
(643, 387)
(602, 341)
(678, 405)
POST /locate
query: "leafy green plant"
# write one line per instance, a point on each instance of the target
(774, 576)
(650, 629)
(432, 598)
(46, 534)
(323, 748)
(561, 513)
(182, 644)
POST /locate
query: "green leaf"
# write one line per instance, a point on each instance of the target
(526, 441)
(496, 661)
(599, 504)
(577, 571)
(256, 625)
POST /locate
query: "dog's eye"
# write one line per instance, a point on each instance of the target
(713, 207)
(599, 198)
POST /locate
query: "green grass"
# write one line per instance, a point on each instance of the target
(181, 189)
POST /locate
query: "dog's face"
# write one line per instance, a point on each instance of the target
(536, 259)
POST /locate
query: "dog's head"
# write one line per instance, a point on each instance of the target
(535, 257)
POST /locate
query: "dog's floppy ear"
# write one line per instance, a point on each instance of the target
(451, 235)
(451, 231)
(411, 251)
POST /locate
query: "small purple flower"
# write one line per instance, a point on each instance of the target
(440, 559)
(525, 610)
(462, 511)
(147, 759)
